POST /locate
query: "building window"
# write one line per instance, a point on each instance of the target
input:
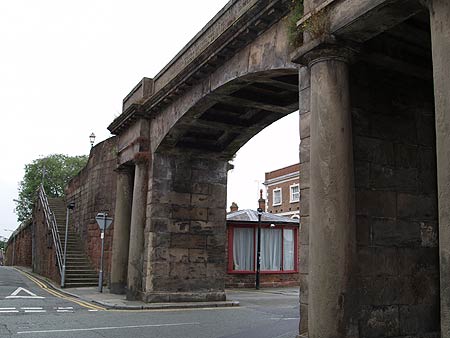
(276, 197)
(295, 193)
(278, 249)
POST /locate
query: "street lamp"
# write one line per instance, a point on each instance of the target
(92, 139)
(258, 250)
(70, 206)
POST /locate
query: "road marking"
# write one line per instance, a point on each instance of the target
(280, 318)
(60, 295)
(7, 308)
(93, 310)
(35, 311)
(31, 308)
(108, 328)
(9, 311)
(64, 311)
(65, 308)
(31, 295)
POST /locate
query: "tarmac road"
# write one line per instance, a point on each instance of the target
(41, 312)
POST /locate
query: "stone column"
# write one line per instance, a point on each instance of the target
(138, 214)
(332, 205)
(440, 35)
(121, 238)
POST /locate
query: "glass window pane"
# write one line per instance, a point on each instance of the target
(288, 248)
(270, 249)
(243, 249)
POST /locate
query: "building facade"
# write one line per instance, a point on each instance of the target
(283, 191)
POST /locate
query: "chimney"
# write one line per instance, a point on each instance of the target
(234, 207)
(261, 201)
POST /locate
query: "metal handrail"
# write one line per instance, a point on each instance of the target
(53, 226)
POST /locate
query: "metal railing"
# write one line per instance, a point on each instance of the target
(53, 226)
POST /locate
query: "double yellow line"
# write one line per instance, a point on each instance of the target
(61, 295)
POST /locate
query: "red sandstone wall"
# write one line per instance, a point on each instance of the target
(44, 260)
(94, 190)
(20, 246)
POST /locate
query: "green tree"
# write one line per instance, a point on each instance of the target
(55, 171)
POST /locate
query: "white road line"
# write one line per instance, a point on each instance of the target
(7, 308)
(9, 311)
(280, 318)
(65, 308)
(108, 328)
(35, 311)
(60, 311)
(31, 308)
(93, 310)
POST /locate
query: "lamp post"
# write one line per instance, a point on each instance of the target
(70, 206)
(92, 139)
(258, 249)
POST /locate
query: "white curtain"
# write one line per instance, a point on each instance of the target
(270, 249)
(288, 254)
(243, 249)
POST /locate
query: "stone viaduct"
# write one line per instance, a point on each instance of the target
(372, 81)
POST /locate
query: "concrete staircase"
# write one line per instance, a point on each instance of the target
(79, 272)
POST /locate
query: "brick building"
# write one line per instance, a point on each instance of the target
(283, 191)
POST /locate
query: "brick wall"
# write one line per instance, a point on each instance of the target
(94, 190)
(286, 206)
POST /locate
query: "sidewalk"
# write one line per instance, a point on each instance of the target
(113, 301)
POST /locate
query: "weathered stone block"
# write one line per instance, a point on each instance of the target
(304, 150)
(305, 175)
(377, 261)
(217, 214)
(363, 231)
(416, 206)
(304, 101)
(406, 155)
(362, 174)
(176, 198)
(305, 123)
(177, 255)
(304, 202)
(413, 261)
(189, 213)
(179, 227)
(419, 318)
(187, 241)
(360, 122)
(390, 232)
(201, 227)
(382, 178)
(304, 78)
(429, 234)
(201, 188)
(304, 294)
(304, 259)
(374, 150)
(380, 322)
(304, 231)
(376, 203)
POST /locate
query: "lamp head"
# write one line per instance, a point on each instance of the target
(92, 139)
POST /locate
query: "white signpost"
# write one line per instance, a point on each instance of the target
(103, 222)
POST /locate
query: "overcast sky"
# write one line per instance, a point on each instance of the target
(65, 67)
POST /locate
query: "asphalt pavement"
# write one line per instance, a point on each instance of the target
(30, 308)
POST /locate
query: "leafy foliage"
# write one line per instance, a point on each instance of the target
(295, 34)
(55, 171)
